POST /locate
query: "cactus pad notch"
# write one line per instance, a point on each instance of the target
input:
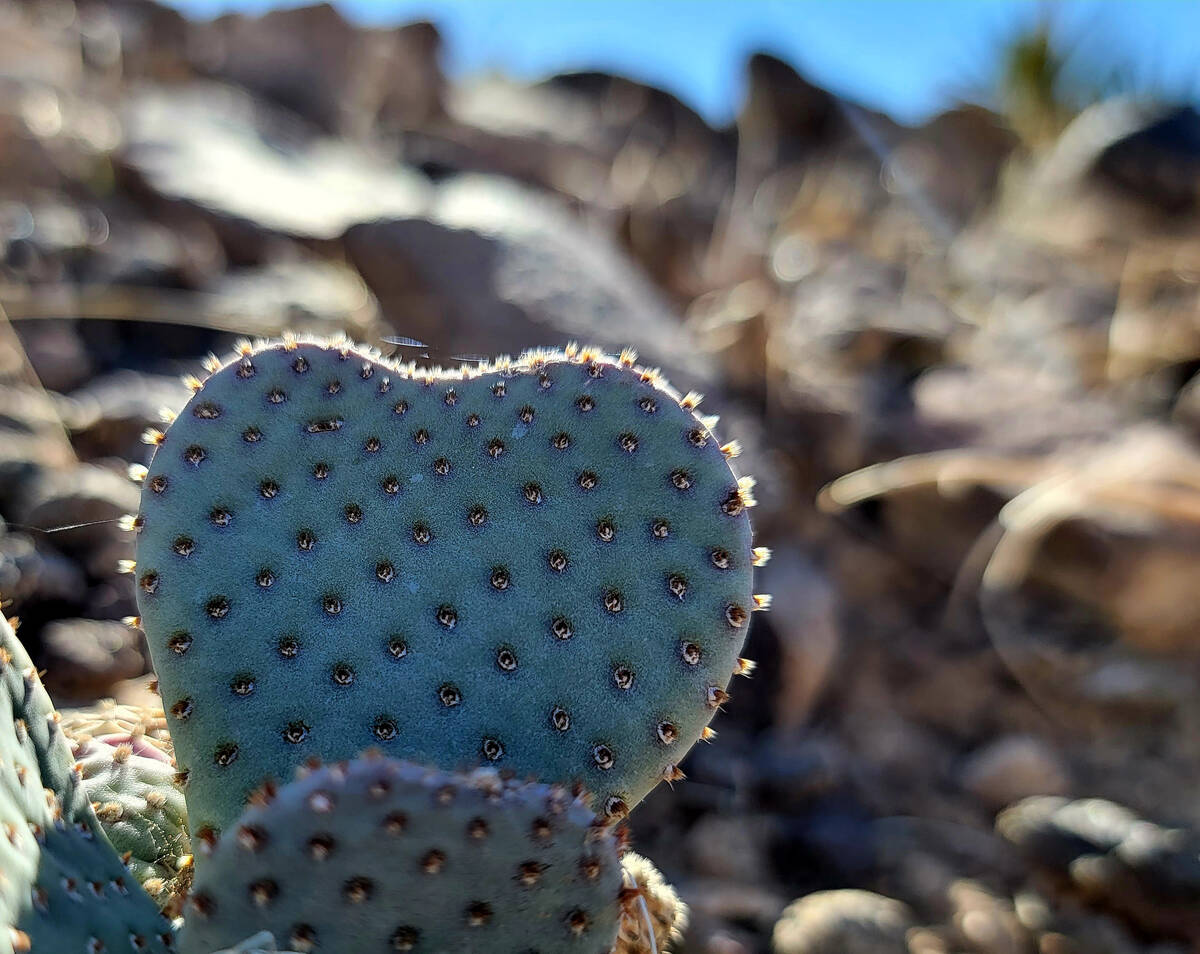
(398, 857)
(542, 565)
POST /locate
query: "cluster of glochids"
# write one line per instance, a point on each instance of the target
(423, 639)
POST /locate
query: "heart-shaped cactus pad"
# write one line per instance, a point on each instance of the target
(542, 565)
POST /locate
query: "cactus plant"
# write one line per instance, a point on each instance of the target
(447, 580)
(142, 812)
(140, 725)
(62, 885)
(368, 849)
(542, 565)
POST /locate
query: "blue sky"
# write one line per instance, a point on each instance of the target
(908, 58)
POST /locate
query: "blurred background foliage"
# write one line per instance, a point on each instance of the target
(1048, 73)
(957, 332)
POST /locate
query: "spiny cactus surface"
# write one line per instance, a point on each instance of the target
(135, 799)
(143, 726)
(62, 886)
(542, 566)
(397, 857)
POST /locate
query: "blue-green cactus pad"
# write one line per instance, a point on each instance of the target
(384, 855)
(543, 565)
(141, 810)
(62, 886)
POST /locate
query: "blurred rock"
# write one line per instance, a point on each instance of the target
(1125, 168)
(1106, 854)
(670, 175)
(108, 417)
(86, 658)
(844, 346)
(922, 857)
(729, 902)
(174, 252)
(32, 441)
(81, 508)
(57, 354)
(345, 79)
(30, 576)
(805, 617)
(154, 40)
(843, 922)
(786, 118)
(634, 154)
(1152, 153)
(38, 51)
(729, 849)
(1010, 407)
(20, 567)
(495, 269)
(214, 147)
(795, 770)
(1063, 926)
(987, 923)
(825, 840)
(952, 163)
(1014, 767)
(1151, 341)
(111, 598)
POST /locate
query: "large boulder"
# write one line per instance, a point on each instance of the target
(494, 268)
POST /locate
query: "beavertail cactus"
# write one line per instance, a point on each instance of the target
(398, 857)
(132, 787)
(62, 886)
(542, 565)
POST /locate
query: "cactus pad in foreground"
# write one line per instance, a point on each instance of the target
(402, 858)
(62, 886)
(542, 566)
(143, 814)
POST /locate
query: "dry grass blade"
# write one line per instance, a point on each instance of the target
(22, 372)
(946, 470)
(159, 306)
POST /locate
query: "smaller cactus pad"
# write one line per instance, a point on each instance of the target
(542, 566)
(62, 886)
(135, 799)
(384, 855)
